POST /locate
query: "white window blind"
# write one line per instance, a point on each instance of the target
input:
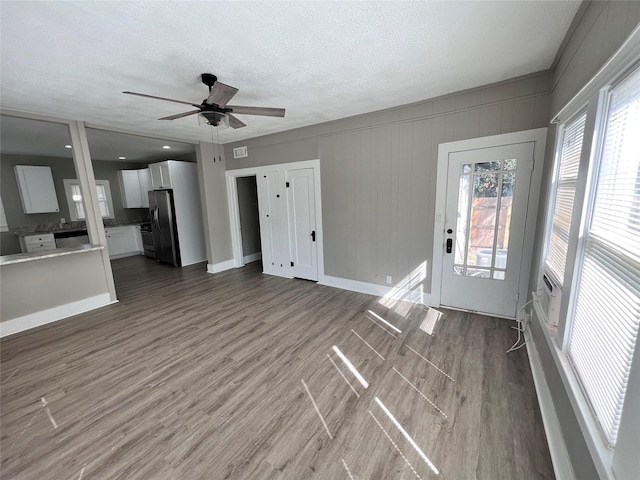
(607, 309)
(567, 175)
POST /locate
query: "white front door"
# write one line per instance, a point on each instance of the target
(302, 223)
(485, 213)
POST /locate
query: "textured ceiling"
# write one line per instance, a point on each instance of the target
(319, 60)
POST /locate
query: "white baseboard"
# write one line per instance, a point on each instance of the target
(557, 447)
(220, 267)
(391, 293)
(252, 257)
(33, 320)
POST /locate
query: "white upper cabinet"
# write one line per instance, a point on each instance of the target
(134, 185)
(160, 175)
(145, 186)
(130, 188)
(37, 192)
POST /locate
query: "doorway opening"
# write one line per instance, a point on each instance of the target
(289, 209)
(249, 216)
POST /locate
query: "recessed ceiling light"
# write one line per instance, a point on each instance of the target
(122, 158)
(166, 147)
(67, 146)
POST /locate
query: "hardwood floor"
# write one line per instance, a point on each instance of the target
(241, 375)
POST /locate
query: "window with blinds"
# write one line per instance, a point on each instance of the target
(607, 308)
(566, 177)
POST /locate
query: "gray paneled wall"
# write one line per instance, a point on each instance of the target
(379, 171)
(598, 34)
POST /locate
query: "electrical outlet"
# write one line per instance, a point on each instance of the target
(389, 280)
(63, 220)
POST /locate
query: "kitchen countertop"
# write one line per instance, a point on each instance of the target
(58, 252)
(71, 227)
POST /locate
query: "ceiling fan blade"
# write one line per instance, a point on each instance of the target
(270, 112)
(220, 94)
(234, 122)
(180, 115)
(161, 98)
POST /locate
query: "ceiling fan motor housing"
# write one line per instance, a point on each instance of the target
(209, 79)
(213, 118)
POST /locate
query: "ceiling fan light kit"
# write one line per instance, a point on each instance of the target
(213, 119)
(214, 111)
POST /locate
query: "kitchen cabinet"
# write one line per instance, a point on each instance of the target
(122, 241)
(160, 175)
(134, 185)
(145, 185)
(38, 243)
(37, 191)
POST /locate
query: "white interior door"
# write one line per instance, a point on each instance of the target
(273, 224)
(485, 214)
(302, 223)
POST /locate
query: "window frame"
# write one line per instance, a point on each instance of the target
(69, 182)
(553, 193)
(594, 98)
(598, 140)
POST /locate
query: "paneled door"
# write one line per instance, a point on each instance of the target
(273, 223)
(484, 224)
(302, 223)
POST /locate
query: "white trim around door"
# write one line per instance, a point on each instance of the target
(538, 137)
(234, 212)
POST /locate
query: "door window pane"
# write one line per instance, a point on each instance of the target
(487, 166)
(484, 218)
(463, 222)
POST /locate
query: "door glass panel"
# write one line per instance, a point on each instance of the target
(510, 164)
(478, 273)
(506, 204)
(484, 218)
(487, 166)
(463, 222)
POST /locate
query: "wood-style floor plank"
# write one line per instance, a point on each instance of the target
(235, 376)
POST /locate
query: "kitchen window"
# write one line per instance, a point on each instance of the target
(76, 202)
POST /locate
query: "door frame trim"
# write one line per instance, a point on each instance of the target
(538, 136)
(234, 211)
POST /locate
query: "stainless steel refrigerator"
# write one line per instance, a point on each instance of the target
(163, 224)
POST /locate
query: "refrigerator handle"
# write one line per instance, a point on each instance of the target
(155, 214)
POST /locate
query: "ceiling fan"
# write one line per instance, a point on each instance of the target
(214, 108)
